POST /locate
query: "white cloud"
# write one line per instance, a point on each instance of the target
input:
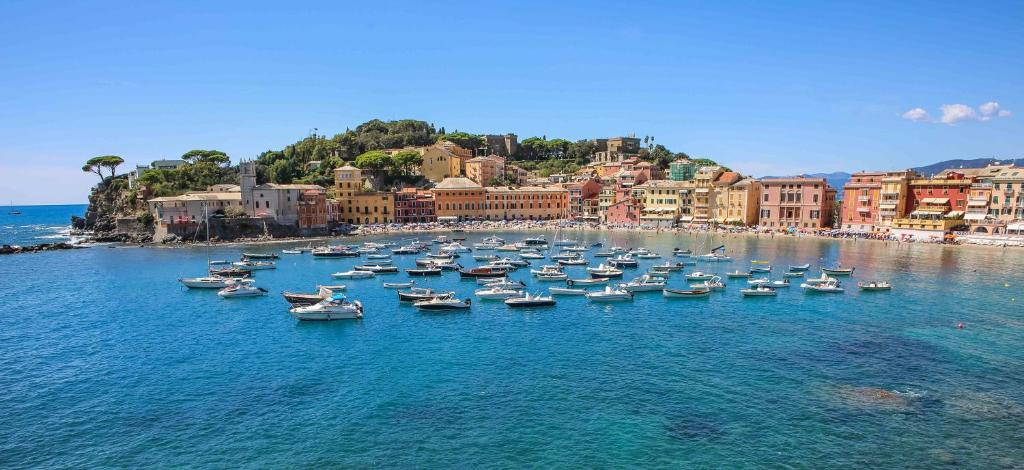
(917, 115)
(953, 114)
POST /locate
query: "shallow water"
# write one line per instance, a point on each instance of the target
(108, 362)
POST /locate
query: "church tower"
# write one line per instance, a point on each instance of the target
(247, 184)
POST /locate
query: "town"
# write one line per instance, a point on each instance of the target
(616, 188)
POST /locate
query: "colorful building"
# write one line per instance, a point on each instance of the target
(796, 203)
(457, 199)
(414, 205)
(626, 211)
(861, 198)
(952, 185)
(704, 195)
(355, 204)
(720, 193)
(739, 203)
(659, 200)
(313, 209)
(682, 169)
(894, 196)
(526, 203)
(484, 170)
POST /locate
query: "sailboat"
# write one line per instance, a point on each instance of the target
(13, 211)
(216, 278)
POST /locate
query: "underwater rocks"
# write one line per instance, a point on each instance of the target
(13, 250)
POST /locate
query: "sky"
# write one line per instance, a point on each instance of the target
(767, 88)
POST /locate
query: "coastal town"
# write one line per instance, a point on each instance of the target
(616, 189)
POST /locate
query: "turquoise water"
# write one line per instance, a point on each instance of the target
(37, 224)
(108, 362)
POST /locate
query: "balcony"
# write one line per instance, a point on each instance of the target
(863, 198)
(864, 209)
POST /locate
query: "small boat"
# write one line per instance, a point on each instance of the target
(417, 294)
(297, 299)
(292, 252)
(648, 256)
(609, 295)
(242, 289)
(758, 291)
(642, 284)
(377, 268)
(874, 286)
(799, 267)
(714, 258)
(699, 276)
(493, 239)
(440, 304)
(820, 280)
(507, 248)
(793, 274)
(440, 240)
(483, 271)
(485, 246)
(497, 293)
(218, 262)
(681, 252)
(564, 242)
(566, 291)
(779, 284)
(380, 257)
(573, 262)
(586, 282)
(669, 266)
(564, 255)
(604, 254)
(617, 249)
(547, 269)
(424, 271)
(626, 261)
(505, 283)
(399, 285)
(714, 283)
(334, 252)
(355, 274)
(443, 255)
(485, 257)
(606, 273)
(531, 301)
(576, 249)
(254, 265)
(737, 274)
(455, 247)
(760, 281)
(686, 293)
(760, 269)
(336, 307)
(531, 256)
(406, 250)
(826, 287)
(548, 277)
(208, 282)
(259, 256)
(230, 272)
(596, 245)
(837, 271)
(432, 262)
(538, 241)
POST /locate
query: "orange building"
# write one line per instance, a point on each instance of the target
(458, 199)
(861, 196)
(526, 203)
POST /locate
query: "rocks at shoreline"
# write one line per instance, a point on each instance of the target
(13, 250)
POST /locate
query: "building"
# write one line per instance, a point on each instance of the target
(861, 198)
(932, 218)
(996, 200)
(504, 145)
(526, 203)
(682, 169)
(437, 162)
(134, 175)
(485, 170)
(355, 204)
(660, 200)
(742, 206)
(457, 199)
(279, 202)
(182, 214)
(952, 185)
(313, 211)
(894, 196)
(720, 190)
(615, 149)
(515, 174)
(580, 193)
(703, 194)
(414, 205)
(796, 203)
(626, 211)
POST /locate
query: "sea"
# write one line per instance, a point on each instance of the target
(38, 224)
(108, 362)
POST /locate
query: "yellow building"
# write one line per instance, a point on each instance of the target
(894, 196)
(355, 204)
(526, 203)
(704, 194)
(661, 200)
(485, 169)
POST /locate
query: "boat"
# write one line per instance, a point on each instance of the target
(254, 265)
(699, 276)
(553, 276)
(779, 284)
(424, 271)
(714, 283)
(259, 256)
(441, 239)
(565, 242)
(297, 299)
(242, 289)
(497, 293)
(648, 256)
(229, 272)
(681, 252)
(737, 274)
(537, 242)
(493, 239)
(604, 254)
(872, 286)
(485, 257)
(449, 255)
(547, 269)
(380, 257)
(485, 246)
(826, 287)
(573, 262)
(531, 301)
(758, 291)
(377, 268)
(531, 255)
(837, 271)
(218, 262)
(566, 291)
(355, 274)
(605, 273)
(576, 249)
(334, 252)
(820, 280)
(507, 248)
(695, 293)
(12, 210)
(760, 281)
(208, 282)
(596, 245)
(406, 250)
(799, 267)
(417, 294)
(336, 307)
(505, 283)
(432, 262)
(483, 271)
(626, 261)
(642, 284)
(565, 255)
(714, 258)
(292, 252)
(669, 266)
(617, 249)
(399, 285)
(455, 247)
(586, 282)
(609, 295)
(440, 304)
(760, 269)
(793, 274)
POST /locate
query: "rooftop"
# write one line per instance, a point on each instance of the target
(457, 183)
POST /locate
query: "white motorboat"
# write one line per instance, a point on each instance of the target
(714, 258)
(758, 291)
(242, 289)
(799, 267)
(699, 276)
(486, 246)
(648, 256)
(694, 293)
(485, 257)
(617, 249)
(779, 284)
(291, 252)
(760, 281)
(455, 247)
(208, 282)
(793, 274)
(399, 285)
(625, 260)
(609, 295)
(526, 255)
(578, 261)
(356, 274)
(377, 268)
(530, 301)
(668, 266)
(298, 299)
(442, 304)
(549, 277)
(417, 294)
(565, 255)
(820, 280)
(537, 242)
(681, 252)
(604, 254)
(547, 269)
(714, 283)
(837, 271)
(504, 283)
(761, 269)
(497, 293)
(586, 282)
(605, 273)
(566, 291)
(441, 239)
(642, 284)
(254, 265)
(576, 249)
(565, 242)
(337, 307)
(380, 257)
(493, 239)
(737, 274)
(507, 248)
(874, 285)
(825, 287)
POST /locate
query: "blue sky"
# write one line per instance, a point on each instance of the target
(764, 87)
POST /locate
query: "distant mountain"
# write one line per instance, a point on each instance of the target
(934, 168)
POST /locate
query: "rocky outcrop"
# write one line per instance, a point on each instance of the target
(113, 214)
(13, 250)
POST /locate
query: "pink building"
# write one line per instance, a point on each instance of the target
(626, 211)
(861, 197)
(800, 203)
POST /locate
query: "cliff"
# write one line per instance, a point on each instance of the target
(111, 203)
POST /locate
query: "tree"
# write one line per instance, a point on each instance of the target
(111, 162)
(406, 161)
(374, 160)
(93, 168)
(464, 140)
(282, 172)
(210, 156)
(97, 164)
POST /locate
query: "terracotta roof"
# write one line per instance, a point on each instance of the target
(727, 178)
